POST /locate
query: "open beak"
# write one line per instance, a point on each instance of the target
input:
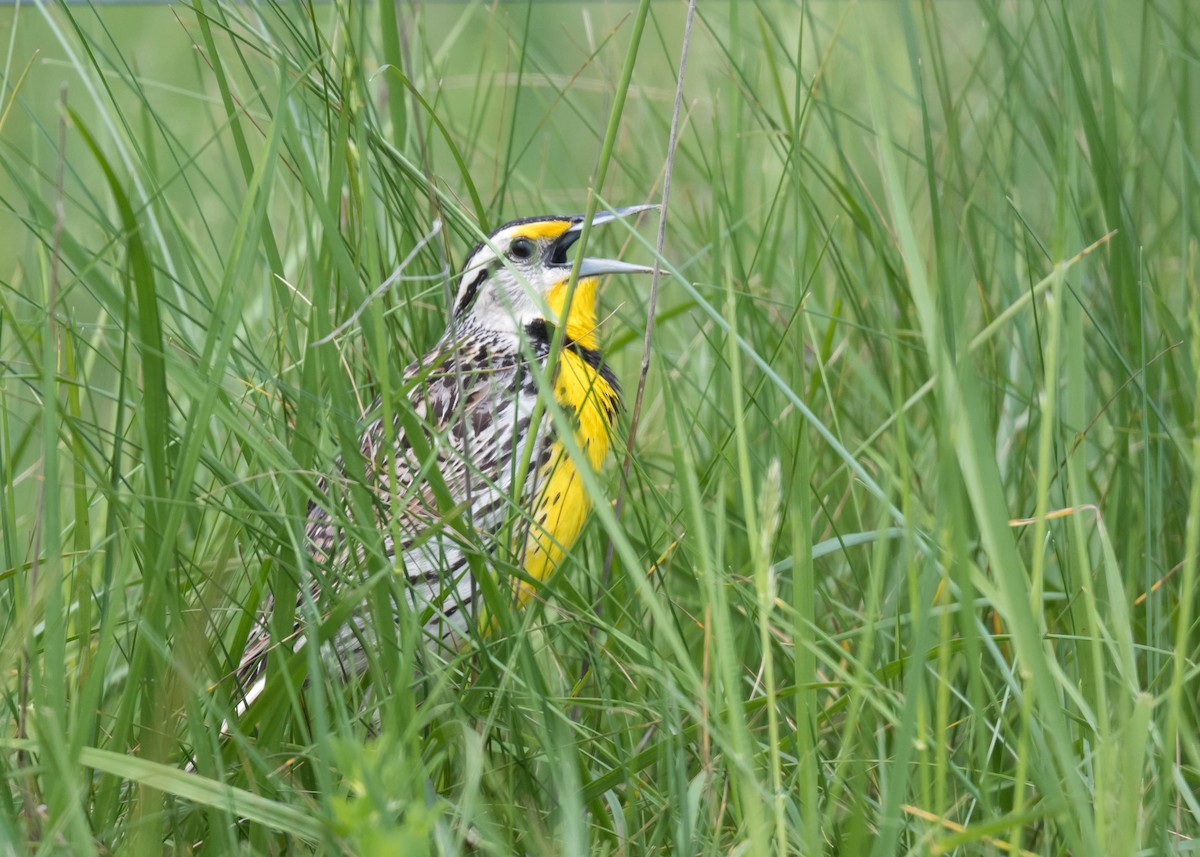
(596, 267)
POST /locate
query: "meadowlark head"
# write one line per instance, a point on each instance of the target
(516, 280)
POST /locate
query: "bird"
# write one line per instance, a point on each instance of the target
(473, 418)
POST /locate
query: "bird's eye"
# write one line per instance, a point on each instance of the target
(522, 248)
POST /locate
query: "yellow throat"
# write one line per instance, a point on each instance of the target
(584, 392)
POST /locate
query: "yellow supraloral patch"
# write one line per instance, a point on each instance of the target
(541, 229)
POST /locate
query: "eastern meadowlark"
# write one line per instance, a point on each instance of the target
(474, 398)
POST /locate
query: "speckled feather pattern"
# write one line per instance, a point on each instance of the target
(474, 394)
(472, 397)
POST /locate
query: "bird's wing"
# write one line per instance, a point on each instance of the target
(474, 412)
(464, 401)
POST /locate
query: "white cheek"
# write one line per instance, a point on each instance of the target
(510, 300)
(499, 309)
(488, 307)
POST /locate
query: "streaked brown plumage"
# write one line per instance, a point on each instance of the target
(474, 396)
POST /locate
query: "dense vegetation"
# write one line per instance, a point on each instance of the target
(905, 559)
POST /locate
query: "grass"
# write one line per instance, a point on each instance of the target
(906, 557)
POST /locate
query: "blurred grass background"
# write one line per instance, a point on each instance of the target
(907, 561)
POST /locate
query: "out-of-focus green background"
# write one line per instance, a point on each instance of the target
(906, 561)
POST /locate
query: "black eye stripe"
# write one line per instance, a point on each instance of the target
(472, 289)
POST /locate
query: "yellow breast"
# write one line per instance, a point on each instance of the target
(586, 395)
